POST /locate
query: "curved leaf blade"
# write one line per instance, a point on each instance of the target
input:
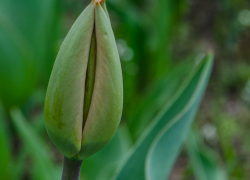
(35, 146)
(166, 146)
(142, 113)
(133, 167)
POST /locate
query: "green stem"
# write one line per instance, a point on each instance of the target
(71, 169)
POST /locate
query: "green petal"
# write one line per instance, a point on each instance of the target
(65, 94)
(106, 105)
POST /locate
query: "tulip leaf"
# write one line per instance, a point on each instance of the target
(162, 91)
(37, 149)
(159, 146)
(166, 146)
(205, 163)
(37, 124)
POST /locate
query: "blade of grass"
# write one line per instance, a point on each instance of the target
(35, 146)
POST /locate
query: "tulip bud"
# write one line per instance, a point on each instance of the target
(84, 98)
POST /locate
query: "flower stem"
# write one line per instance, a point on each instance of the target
(71, 169)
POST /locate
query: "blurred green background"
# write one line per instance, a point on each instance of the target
(159, 41)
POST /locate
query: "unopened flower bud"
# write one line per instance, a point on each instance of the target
(84, 98)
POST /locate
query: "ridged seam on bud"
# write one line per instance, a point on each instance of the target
(84, 98)
(107, 63)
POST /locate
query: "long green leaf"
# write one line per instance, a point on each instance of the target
(38, 127)
(35, 145)
(166, 146)
(174, 119)
(142, 113)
